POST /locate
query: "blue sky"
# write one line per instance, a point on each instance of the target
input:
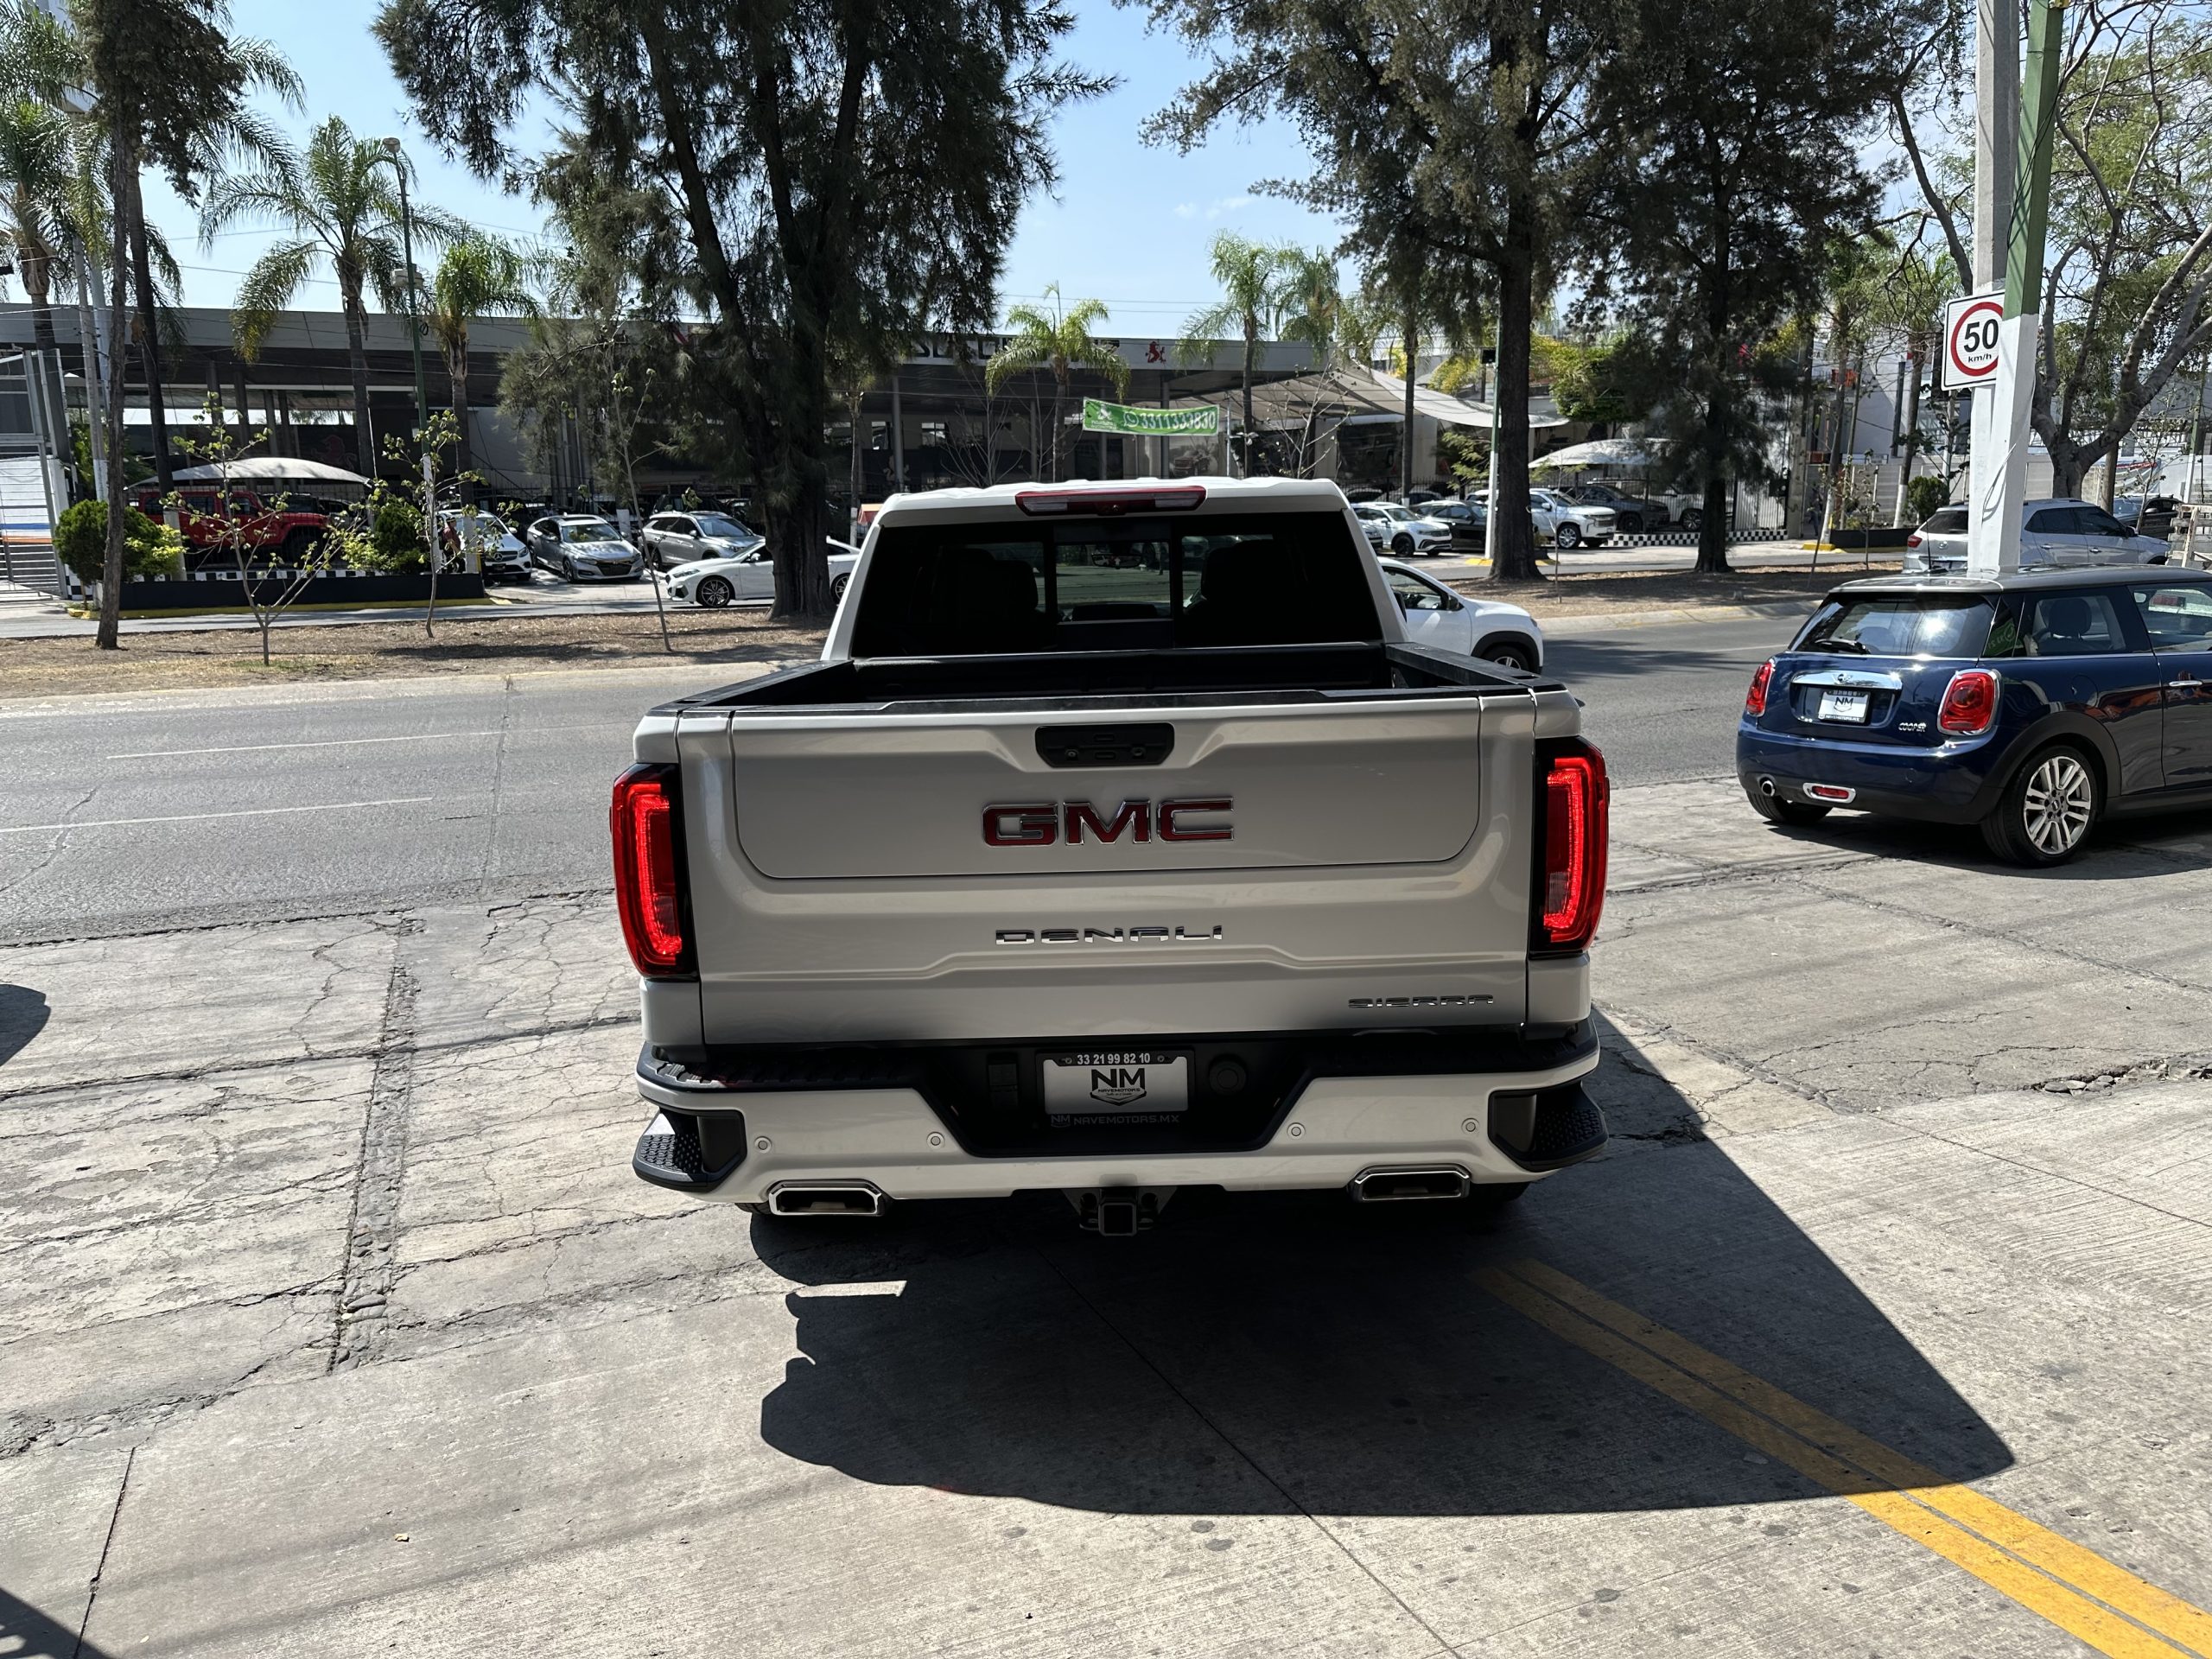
(1128, 224)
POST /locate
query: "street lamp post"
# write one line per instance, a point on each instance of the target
(414, 306)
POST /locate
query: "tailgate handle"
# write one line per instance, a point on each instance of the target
(1105, 745)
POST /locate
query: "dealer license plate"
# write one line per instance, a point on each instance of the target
(1846, 705)
(1116, 1086)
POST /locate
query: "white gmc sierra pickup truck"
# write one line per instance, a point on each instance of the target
(1119, 842)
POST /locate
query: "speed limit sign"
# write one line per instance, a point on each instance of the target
(1970, 328)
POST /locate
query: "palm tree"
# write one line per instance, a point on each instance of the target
(38, 208)
(1252, 276)
(477, 276)
(45, 55)
(1060, 341)
(340, 202)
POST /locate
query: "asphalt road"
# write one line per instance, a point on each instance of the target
(187, 809)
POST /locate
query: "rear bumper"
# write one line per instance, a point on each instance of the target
(1955, 784)
(1517, 1115)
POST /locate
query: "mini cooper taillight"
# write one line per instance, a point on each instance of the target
(1755, 699)
(649, 871)
(1572, 835)
(1969, 703)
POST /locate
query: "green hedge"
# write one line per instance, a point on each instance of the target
(148, 549)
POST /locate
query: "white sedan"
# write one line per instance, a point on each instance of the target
(716, 582)
(1404, 532)
(1444, 619)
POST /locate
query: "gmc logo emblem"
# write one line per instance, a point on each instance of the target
(1046, 823)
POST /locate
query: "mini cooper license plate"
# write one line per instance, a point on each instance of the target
(1846, 705)
(1116, 1086)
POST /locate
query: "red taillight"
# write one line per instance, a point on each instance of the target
(1109, 503)
(1969, 703)
(1755, 699)
(1913, 540)
(648, 875)
(1573, 871)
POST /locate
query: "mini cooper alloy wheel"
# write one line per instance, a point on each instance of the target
(2057, 804)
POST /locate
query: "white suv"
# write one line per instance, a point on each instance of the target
(1567, 525)
(2057, 532)
(1403, 531)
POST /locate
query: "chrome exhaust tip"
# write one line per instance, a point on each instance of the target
(1409, 1185)
(824, 1198)
(1766, 787)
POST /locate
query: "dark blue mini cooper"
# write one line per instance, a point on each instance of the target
(2031, 705)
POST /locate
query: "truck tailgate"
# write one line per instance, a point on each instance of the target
(948, 795)
(875, 875)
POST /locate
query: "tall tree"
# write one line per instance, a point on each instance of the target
(340, 201)
(1257, 281)
(1055, 339)
(1740, 133)
(1454, 140)
(477, 276)
(796, 174)
(190, 135)
(163, 75)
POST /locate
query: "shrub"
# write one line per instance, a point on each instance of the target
(1923, 495)
(394, 539)
(150, 549)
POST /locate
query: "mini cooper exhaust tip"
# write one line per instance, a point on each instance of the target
(1409, 1185)
(824, 1198)
(1766, 787)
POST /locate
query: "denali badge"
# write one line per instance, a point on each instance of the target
(1045, 824)
(1417, 1001)
(1112, 936)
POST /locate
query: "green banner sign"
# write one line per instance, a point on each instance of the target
(1202, 422)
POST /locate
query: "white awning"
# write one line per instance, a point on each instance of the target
(1613, 455)
(266, 468)
(1458, 411)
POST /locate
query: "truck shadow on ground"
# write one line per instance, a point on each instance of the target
(27, 1633)
(23, 1015)
(1291, 1353)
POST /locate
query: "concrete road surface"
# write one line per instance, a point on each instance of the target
(332, 1321)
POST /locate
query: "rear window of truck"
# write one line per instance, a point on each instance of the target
(1134, 584)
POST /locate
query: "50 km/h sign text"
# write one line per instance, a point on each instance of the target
(1970, 331)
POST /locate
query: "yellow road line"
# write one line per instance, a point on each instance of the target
(2064, 1604)
(2059, 1556)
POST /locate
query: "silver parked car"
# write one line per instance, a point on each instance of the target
(672, 538)
(578, 547)
(2056, 533)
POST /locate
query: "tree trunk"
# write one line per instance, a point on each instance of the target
(1406, 431)
(357, 359)
(1911, 430)
(1251, 344)
(800, 522)
(150, 339)
(1714, 524)
(464, 459)
(111, 624)
(1515, 541)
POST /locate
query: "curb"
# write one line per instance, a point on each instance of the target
(1612, 621)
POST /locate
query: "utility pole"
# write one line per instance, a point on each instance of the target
(1996, 146)
(2001, 464)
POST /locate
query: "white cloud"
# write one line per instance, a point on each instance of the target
(1226, 205)
(1186, 210)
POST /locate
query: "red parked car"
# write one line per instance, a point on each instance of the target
(274, 534)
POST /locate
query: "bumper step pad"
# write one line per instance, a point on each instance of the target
(676, 1146)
